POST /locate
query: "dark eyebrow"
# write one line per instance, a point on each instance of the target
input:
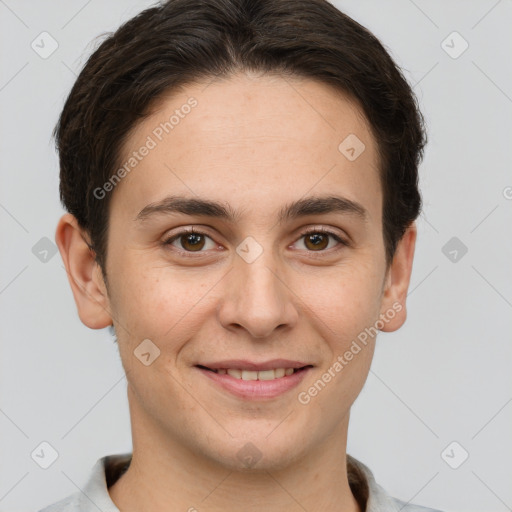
(205, 207)
(321, 205)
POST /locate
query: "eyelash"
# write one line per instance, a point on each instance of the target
(195, 254)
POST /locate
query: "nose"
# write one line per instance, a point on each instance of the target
(257, 299)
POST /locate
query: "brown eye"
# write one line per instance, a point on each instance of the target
(189, 241)
(192, 241)
(316, 241)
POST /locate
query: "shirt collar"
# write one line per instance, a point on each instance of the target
(108, 469)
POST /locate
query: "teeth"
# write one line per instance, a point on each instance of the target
(235, 373)
(266, 375)
(256, 375)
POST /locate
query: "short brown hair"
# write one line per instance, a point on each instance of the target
(180, 42)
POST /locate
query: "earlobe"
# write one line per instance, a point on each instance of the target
(393, 305)
(84, 274)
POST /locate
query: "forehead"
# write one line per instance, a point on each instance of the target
(254, 140)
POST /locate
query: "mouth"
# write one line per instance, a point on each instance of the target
(271, 374)
(252, 381)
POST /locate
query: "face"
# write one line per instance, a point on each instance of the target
(286, 269)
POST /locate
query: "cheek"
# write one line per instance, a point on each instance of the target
(345, 301)
(160, 303)
(346, 308)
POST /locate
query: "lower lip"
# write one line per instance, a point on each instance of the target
(256, 389)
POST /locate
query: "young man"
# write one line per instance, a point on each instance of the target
(241, 182)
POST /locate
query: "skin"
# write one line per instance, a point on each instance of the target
(256, 143)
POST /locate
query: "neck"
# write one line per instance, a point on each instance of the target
(165, 476)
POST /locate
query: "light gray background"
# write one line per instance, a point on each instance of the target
(445, 376)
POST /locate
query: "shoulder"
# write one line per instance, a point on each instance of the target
(372, 495)
(69, 504)
(409, 507)
(94, 495)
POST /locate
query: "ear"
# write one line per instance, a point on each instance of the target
(84, 274)
(397, 280)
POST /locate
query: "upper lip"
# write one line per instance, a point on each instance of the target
(243, 364)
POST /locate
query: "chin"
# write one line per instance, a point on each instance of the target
(256, 453)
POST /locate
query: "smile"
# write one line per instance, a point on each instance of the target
(255, 384)
(256, 375)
